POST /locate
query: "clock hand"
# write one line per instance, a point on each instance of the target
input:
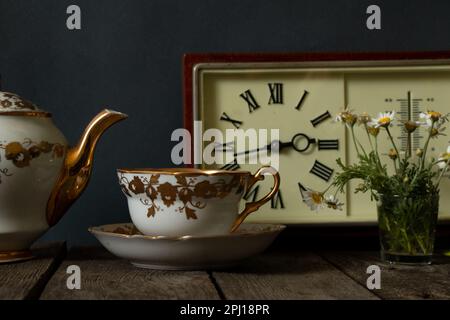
(279, 145)
(253, 150)
(294, 143)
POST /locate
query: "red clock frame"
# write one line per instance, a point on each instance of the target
(192, 59)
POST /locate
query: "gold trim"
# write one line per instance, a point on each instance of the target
(181, 171)
(41, 114)
(270, 228)
(77, 167)
(11, 256)
(253, 206)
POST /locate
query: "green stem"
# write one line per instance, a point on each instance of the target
(393, 144)
(408, 244)
(354, 140)
(326, 189)
(422, 162)
(395, 166)
(368, 137)
(380, 166)
(444, 170)
(408, 146)
(422, 246)
(425, 148)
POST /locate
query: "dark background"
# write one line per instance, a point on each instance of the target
(128, 56)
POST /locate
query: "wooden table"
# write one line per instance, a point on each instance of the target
(276, 274)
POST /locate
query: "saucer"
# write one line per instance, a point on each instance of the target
(186, 252)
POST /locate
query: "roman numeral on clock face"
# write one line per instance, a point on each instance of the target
(276, 93)
(277, 201)
(328, 144)
(301, 187)
(302, 99)
(322, 171)
(253, 193)
(324, 116)
(232, 166)
(250, 99)
(236, 123)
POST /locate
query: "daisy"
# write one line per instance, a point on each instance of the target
(384, 120)
(347, 116)
(432, 117)
(442, 161)
(437, 131)
(419, 152)
(411, 126)
(313, 199)
(393, 154)
(333, 203)
(364, 118)
(373, 131)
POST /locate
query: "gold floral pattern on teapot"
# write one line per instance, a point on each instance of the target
(12, 102)
(21, 154)
(188, 190)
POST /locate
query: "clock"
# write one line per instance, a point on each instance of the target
(300, 95)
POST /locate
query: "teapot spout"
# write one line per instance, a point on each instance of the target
(77, 167)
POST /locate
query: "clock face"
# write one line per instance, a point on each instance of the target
(301, 106)
(302, 102)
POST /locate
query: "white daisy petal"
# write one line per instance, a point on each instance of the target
(313, 199)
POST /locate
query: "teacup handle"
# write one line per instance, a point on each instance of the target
(253, 206)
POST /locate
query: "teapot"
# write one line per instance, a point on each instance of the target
(40, 175)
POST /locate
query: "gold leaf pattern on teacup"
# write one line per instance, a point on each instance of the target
(205, 190)
(188, 190)
(151, 211)
(136, 186)
(168, 193)
(151, 192)
(190, 213)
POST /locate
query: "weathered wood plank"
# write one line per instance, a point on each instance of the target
(289, 275)
(103, 276)
(397, 282)
(26, 280)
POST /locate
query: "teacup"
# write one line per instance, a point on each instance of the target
(186, 202)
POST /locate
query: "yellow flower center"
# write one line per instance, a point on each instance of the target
(317, 197)
(384, 121)
(434, 115)
(348, 117)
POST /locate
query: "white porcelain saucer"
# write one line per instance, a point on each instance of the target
(187, 252)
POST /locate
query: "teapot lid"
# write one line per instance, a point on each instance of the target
(12, 104)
